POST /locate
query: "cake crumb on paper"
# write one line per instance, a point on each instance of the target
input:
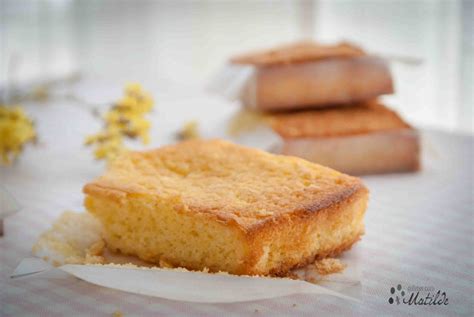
(329, 266)
(74, 238)
(292, 275)
(164, 263)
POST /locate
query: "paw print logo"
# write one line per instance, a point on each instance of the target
(397, 295)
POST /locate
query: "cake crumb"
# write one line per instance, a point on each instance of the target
(312, 279)
(94, 259)
(292, 275)
(94, 254)
(256, 310)
(74, 238)
(329, 266)
(117, 313)
(294, 305)
(96, 248)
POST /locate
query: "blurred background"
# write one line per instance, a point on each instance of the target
(179, 45)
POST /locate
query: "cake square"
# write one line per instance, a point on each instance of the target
(365, 138)
(311, 75)
(213, 204)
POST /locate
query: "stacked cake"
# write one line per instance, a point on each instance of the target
(322, 102)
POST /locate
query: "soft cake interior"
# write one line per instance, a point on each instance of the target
(155, 231)
(158, 231)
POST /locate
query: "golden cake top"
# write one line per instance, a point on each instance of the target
(297, 53)
(221, 178)
(362, 118)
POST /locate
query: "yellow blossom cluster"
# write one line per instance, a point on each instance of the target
(126, 118)
(16, 129)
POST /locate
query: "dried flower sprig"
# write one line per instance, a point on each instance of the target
(16, 129)
(126, 118)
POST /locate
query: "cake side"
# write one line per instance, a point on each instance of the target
(157, 231)
(366, 138)
(164, 231)
(298, 239)
(377, 152)
(317, 84)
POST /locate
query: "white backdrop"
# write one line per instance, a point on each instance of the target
(181, 44)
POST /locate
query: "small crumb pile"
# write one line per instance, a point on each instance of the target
(75, 238)
(313, 273)
(329, 266)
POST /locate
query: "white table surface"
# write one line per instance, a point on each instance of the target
(419, 227)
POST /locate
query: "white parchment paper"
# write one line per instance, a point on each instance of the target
(180, 285)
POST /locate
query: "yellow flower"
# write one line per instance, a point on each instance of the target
(16, 129)
(128, 102)
(124, 119)
(133, 88)
(109, 149)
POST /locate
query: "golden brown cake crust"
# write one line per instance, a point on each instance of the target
(362, 118)
(326, 217)
(236, 184)
(298, 53)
